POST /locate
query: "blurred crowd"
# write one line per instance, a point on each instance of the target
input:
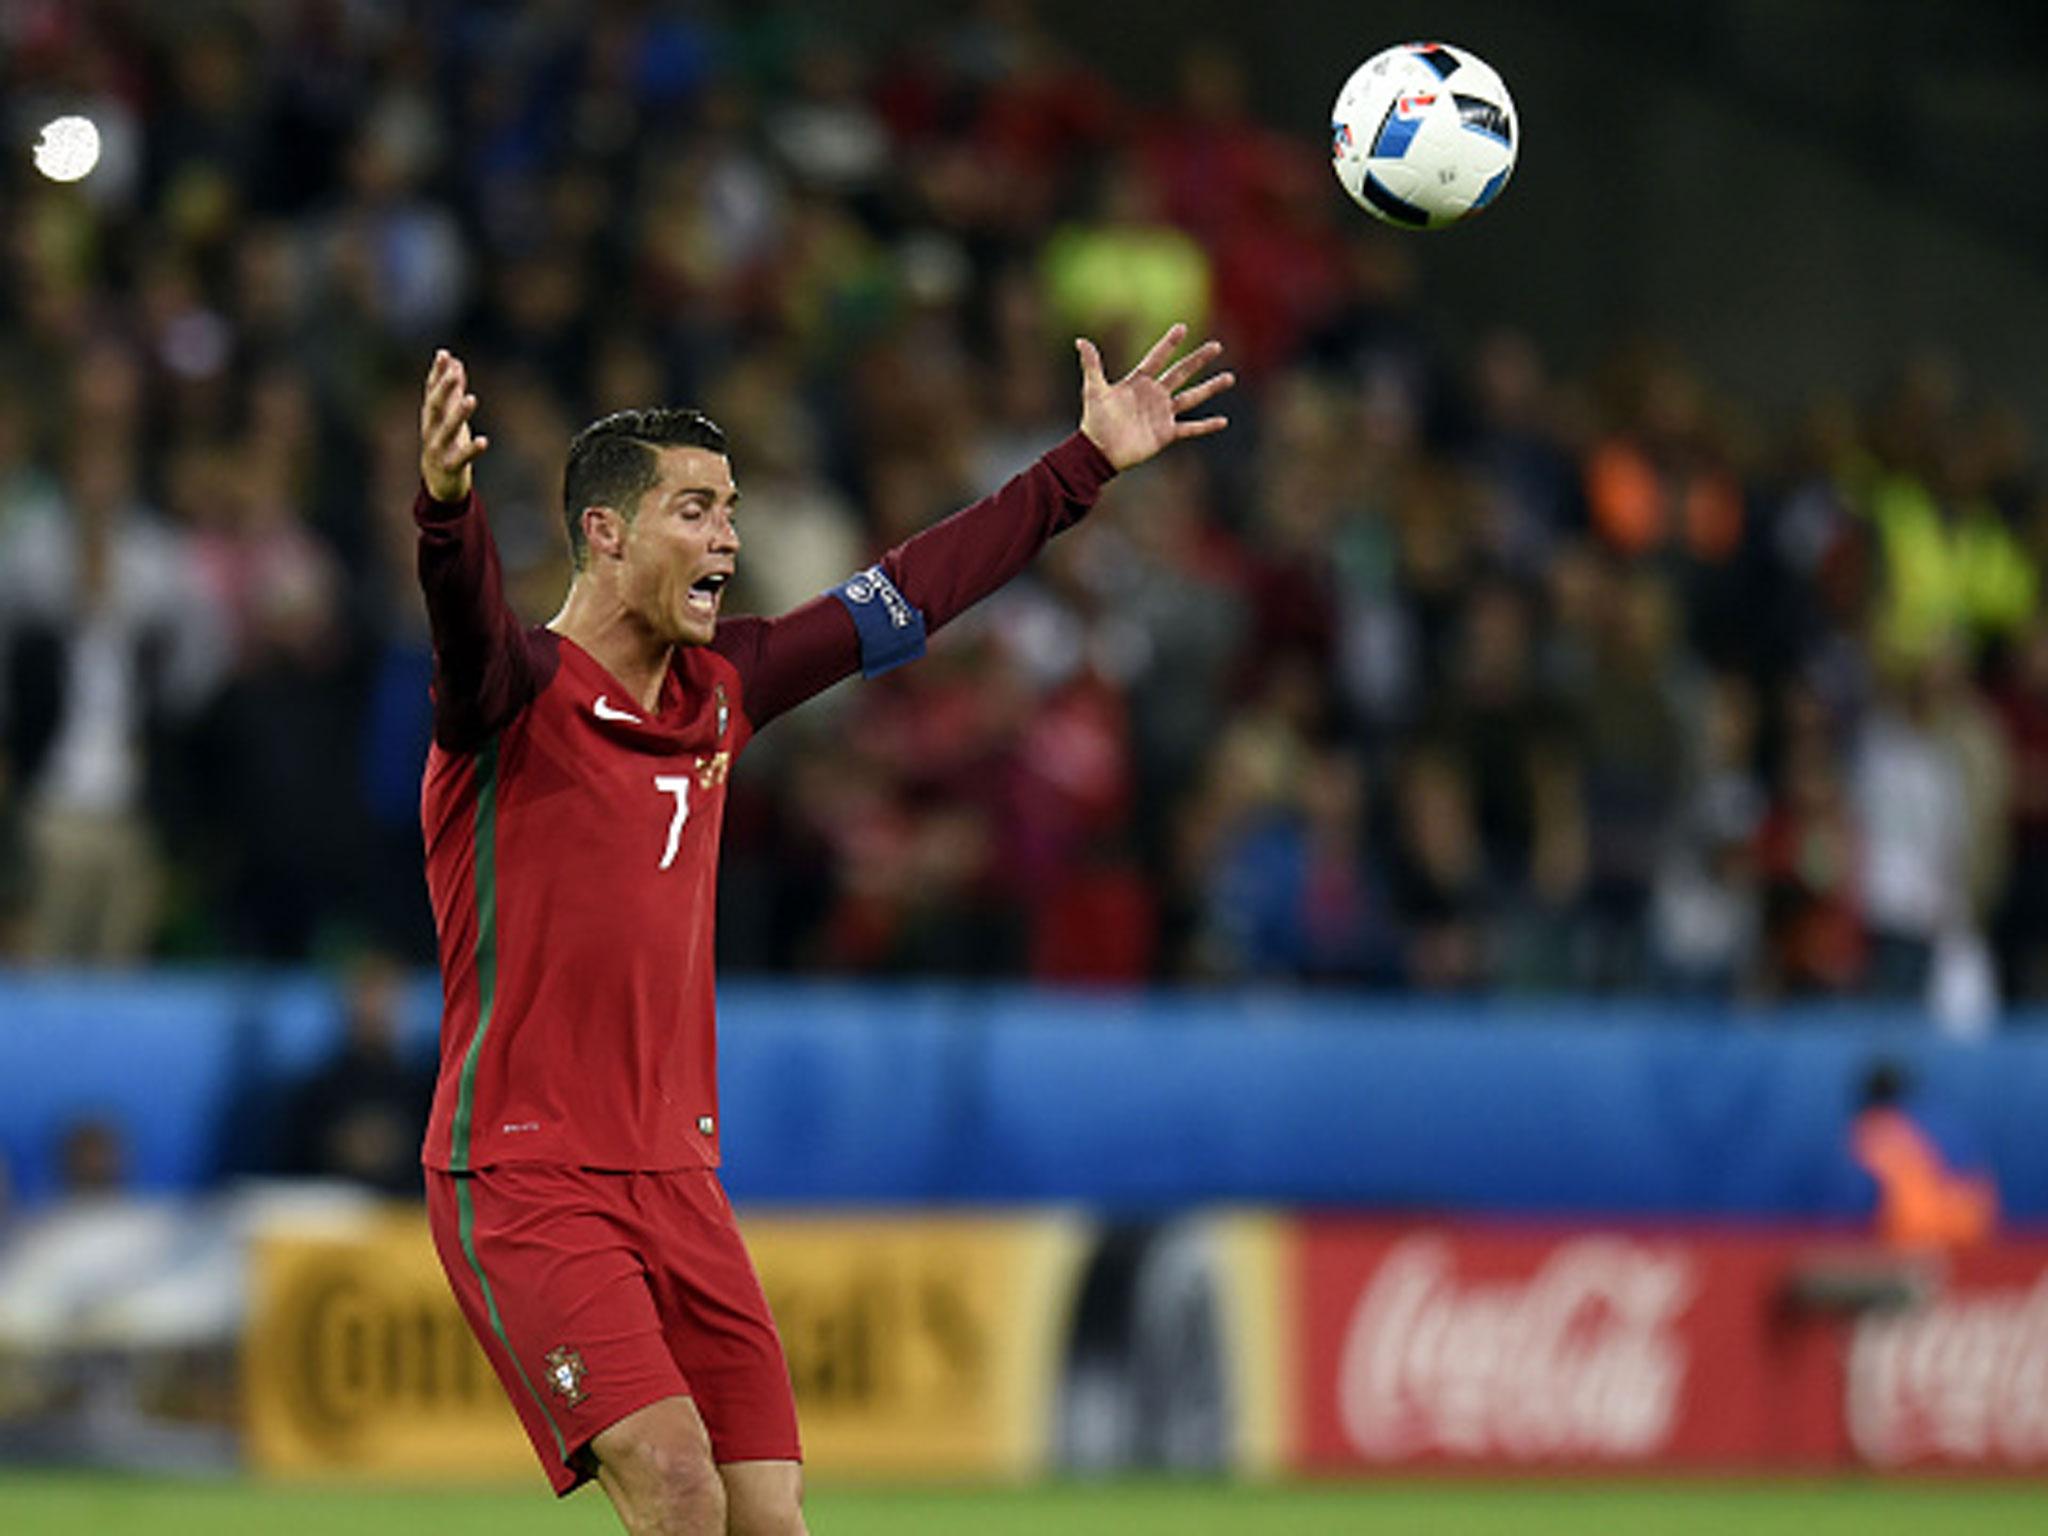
(1440, 670)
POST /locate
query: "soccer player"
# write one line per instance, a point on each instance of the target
(571, 807)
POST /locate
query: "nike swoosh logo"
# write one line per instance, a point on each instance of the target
(604, 711)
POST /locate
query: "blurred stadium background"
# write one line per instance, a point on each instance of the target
(1493, 920)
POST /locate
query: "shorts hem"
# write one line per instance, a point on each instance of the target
(565, 1478)
(731, 1455)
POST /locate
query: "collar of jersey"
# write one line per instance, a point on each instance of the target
(593, 674)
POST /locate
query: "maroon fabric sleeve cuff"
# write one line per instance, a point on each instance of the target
(426, 510)
(1081, 468)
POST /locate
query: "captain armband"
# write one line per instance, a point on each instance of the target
(891, 630)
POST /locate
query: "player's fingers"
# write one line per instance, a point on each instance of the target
(439, 423)
(1202, 428)
(441, 391)
(451, 416)
(1192, 364)
(435, 371)
(1091, 364)
(1202, 393)
(1160, 350)
(446, 372)
(472, 451)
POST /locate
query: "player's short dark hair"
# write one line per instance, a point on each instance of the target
(612, 462)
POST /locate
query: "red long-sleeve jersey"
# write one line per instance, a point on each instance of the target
(572, 837)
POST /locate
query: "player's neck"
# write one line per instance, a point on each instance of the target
(616, 640)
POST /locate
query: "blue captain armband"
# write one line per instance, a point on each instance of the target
(891, 630)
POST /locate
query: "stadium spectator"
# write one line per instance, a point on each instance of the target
(2022, 919)
(277, 783)
(1515, 450)
(1626, 729)
(1706, 916)
(109, 644)
(360, 1116)
(92, 1159)
(1951, 566)
(1123, 271)
(1255, 200)
(1810, 861)
(808, 534)
(1440, 885)
(1913, 800)
(1934, 1188)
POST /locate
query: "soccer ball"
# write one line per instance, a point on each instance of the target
(1423, 134)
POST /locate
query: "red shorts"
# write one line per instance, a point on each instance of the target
(595, 1294)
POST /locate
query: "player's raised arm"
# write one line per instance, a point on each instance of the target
(482, 672)
(879, 618)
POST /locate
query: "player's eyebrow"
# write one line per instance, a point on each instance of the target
(708, 492)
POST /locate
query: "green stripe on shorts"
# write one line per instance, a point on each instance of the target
(466, 1209)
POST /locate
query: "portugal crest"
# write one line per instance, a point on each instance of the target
(565, 1374)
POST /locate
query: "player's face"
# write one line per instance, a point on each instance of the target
(682, 546)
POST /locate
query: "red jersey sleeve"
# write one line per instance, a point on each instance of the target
(485, 668)
(939, 573)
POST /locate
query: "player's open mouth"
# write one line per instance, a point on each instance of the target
(703, 593)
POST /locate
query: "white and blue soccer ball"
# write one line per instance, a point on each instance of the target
(1424, 134)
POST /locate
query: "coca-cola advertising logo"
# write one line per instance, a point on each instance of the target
(1963, 1379)
(1580, 1359)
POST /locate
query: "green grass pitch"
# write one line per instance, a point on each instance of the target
(75, 1504)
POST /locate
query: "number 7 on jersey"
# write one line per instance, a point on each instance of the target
(677, 784)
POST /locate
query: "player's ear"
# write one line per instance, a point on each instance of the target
(604, 531)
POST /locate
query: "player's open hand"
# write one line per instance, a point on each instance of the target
(447, 448)
(1143, 411)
